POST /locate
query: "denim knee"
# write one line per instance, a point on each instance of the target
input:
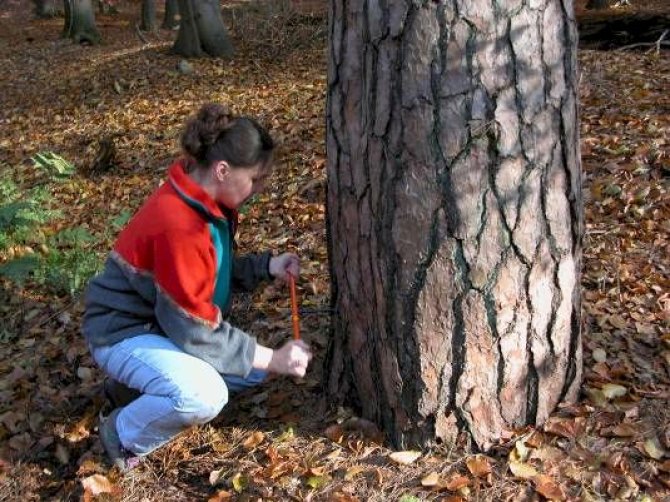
(202, 404)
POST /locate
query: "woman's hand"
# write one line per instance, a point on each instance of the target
(283, 265)
(291, 359)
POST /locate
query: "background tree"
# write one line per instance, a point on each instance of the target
(80, 21)
(170, 20)
(201, 30)
(148, 22)
(45, 8)
(455, 214)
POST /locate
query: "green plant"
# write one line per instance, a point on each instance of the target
(70, 262)
(53, 165)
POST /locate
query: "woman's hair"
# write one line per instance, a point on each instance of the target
(214, 134)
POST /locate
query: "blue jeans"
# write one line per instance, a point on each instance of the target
(178, 389)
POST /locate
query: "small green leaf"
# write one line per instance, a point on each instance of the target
(239, 482)
(316, 481)
(409, 498)
(289, 433)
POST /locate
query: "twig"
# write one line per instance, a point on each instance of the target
(660, 42)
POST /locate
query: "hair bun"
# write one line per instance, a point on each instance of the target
(203, 131)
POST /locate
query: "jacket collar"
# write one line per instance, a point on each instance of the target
(194, 195)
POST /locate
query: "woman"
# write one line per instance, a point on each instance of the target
(154, 317)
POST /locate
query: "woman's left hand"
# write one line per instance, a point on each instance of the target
(283, 265)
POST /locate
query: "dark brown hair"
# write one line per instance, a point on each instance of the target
(214, 134)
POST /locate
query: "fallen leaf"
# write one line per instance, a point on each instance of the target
(216, 476)
(522, 470)
(97, 484)
(612, 390)
(479, 466)
(624, 430)
(353, 471)
(85, 373)
(567, 427)
(520, 452)
(456, 482)
(599, 355)
(334, 433)
(653, 448)
(617, 321)
(405, 457)
(239, 482)
(253, 440)
(548, 488)
(221, 495)
(317, 481)
(433, 479)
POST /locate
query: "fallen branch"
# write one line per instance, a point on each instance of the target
(658, 44)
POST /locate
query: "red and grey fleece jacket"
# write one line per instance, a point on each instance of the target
(171, 272)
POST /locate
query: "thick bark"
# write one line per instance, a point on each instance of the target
(170, 21)
(201, 30)
(148, 22)
(80, 21)
(454, 214)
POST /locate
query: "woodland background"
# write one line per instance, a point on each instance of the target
(87, 133)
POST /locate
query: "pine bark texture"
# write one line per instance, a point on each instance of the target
(454, 214)
(201, 30)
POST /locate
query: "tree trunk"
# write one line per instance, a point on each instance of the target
(148, 22)
(80, 21)
(454, 214)
(201, 30)
(170, 21)
(45, 8)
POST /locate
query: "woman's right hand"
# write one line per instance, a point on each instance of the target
(291, 359)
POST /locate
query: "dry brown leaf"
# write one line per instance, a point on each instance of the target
(221, 495)
(624, 430)
(433, 479)
(253, 440)
(97, 484)
(353, 471)
(567, 427)
(334, 433)
(405, 457)
(479, 465)
(548, 488)
(456, 482)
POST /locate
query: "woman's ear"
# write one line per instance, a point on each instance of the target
(221, 170)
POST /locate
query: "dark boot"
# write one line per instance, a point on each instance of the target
(119, 394)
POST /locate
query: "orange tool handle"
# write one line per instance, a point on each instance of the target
(294, 309)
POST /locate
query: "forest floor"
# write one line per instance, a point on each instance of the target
(281, 442)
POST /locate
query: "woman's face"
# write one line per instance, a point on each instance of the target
(236, 185)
